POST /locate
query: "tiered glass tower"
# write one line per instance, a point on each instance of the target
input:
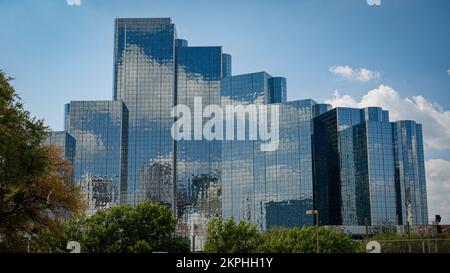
(353, 165)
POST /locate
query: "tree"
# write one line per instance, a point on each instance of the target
(304, 240)
(148, 227)
(33, 192)
(230, 237)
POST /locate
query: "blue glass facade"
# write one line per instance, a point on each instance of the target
(154, 71)
(327, 171)
(353, 165)
(100, 132)
(274, 188)
(226, 65)
(144, 79)
(197, 162)
(374, 173)
(277, 90)
(359, 168)
(246, 89)
(410, 173)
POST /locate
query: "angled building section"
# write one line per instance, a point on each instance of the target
(410, 173)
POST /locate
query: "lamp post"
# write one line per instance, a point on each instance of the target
(316, 218)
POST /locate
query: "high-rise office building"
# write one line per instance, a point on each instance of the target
(100, 132)
(272, 188)
(154, 71)
(360, 161)
(410, 173)
(197, 161)
(352, 165)
(374, 171)
(327, 173)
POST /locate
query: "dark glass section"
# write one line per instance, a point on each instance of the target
(355, 167)
(277, 90)
(326, 168)
(66, 116)
(375, 173)
(226, 65)
(100, 131)
(290, 213)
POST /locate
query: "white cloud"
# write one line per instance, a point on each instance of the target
(435, 120)
(357, 74)
(448, 72)
(374, 2)
(438, 188)
(73, 2)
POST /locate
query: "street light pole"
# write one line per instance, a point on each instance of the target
(316, 217)
(317, 222)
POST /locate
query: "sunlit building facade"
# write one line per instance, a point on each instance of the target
(352, 165)
(144, 79)
(154, 71)
(272, 188)
(360, 162)
(410, 172)
(100, 132)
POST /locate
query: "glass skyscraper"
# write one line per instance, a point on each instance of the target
(410, 172)
(353, 165)
(144, 79)
(197, 161)
(360, 162)
(154, 71)
(275, 188)
(100, 132)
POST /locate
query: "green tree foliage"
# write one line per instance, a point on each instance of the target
(304, 240)
(230, 237)
(34, 194)
(148, 227)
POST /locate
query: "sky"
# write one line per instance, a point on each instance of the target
(389, 53)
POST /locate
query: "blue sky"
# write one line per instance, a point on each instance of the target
(395, 55)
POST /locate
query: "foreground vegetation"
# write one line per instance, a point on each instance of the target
(36, 197)
(146, 228)
(34, 193)
(242, 237)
